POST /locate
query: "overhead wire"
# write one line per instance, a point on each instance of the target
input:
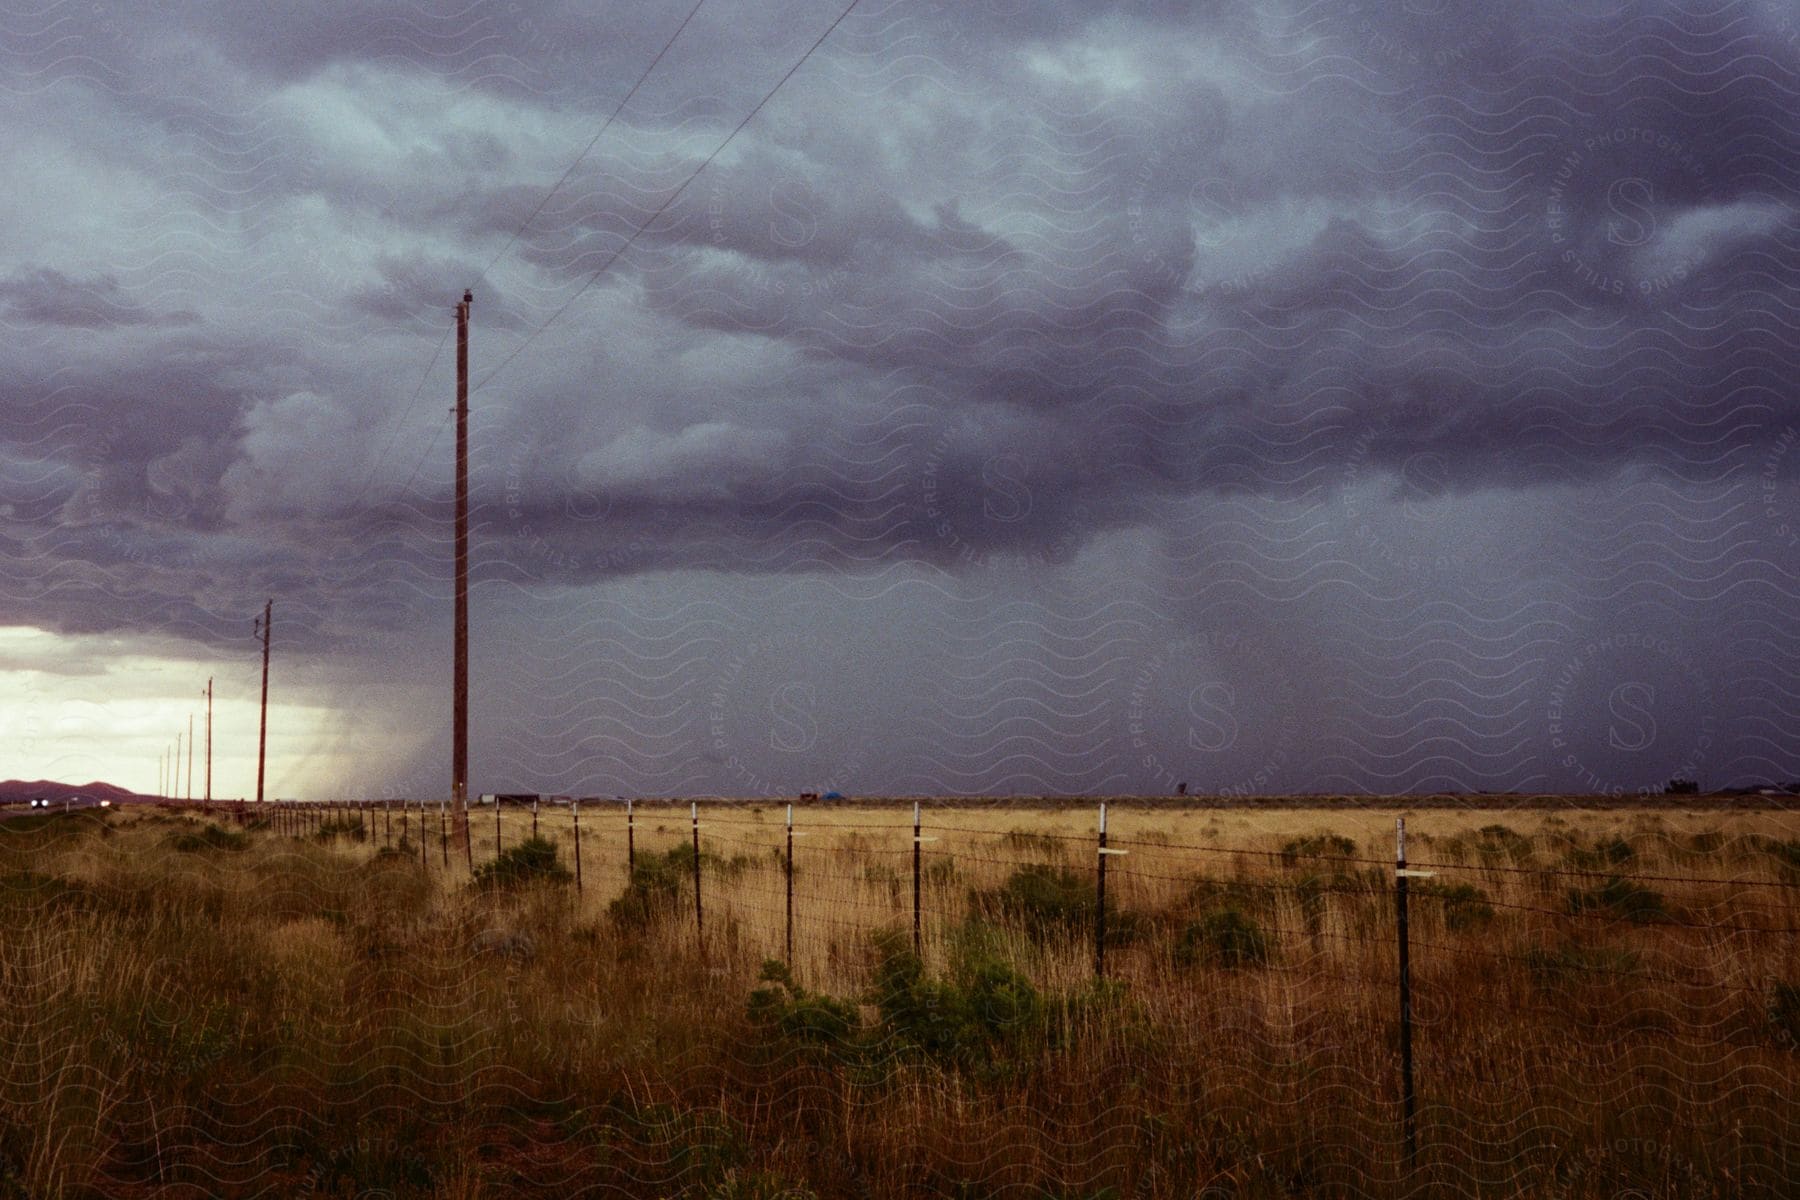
(664, 206)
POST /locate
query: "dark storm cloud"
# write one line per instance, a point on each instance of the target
(48, 297)
(411, 291)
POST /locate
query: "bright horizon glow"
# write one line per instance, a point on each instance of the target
(92, 709)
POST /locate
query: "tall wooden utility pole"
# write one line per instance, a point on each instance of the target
(262, 738)
(209, 741)
(190, 791)
(459, 749)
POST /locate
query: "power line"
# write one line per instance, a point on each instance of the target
(374, 468)
(444, 338)
(429, 447)
(674, 196)
(620, 107)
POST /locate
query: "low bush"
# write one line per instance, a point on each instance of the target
(1226, 937)
(802, 1016)
(338, 827)
(1047, 902)
(210, 837)
(657, 884)
(1026, 841)
(1787, 857)
(986, 1017)
(1207, 893)
(1317, 845)
(1497, 841)
(1463, 905)
(531, 861)
(1041, 899)
(38, 894)
(984, 1012)
(1604, 853)
(1707, 841)
(1571, 961)
(1619, 898)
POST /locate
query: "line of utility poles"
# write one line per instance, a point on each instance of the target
(169, 767)
(168, 779)
(168, 763)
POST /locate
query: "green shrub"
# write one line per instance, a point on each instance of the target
(1787, 857)
(680, 858)
(531, 861)
(725, 868)
(1205, 893)
(1226, 937)
(985, 1012)
(1047, 902)
(1499, 841)
(340, 827)
(1573, 960)
(39, 893)
(1463, 905)
(1026, 841)
(1707, 841)
(985, 1019)
(919, 1013)
(1317, 845)
(1620, 898)
(1606, 853)
(657, 884)
(799, 1015)
(211, 837)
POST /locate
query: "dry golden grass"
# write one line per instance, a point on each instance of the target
(195, 1015)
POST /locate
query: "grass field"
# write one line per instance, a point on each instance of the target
(1606, 1002)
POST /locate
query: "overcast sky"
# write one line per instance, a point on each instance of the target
(1029, 398)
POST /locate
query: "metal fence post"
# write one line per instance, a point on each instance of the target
(630, 842)
(918, 850)
(790, 887)
(699, 923)
(1100, 903)
(1407, 1098)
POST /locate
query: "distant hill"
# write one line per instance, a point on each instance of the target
(19, 791)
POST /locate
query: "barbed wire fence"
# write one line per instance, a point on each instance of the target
(1565, 926)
